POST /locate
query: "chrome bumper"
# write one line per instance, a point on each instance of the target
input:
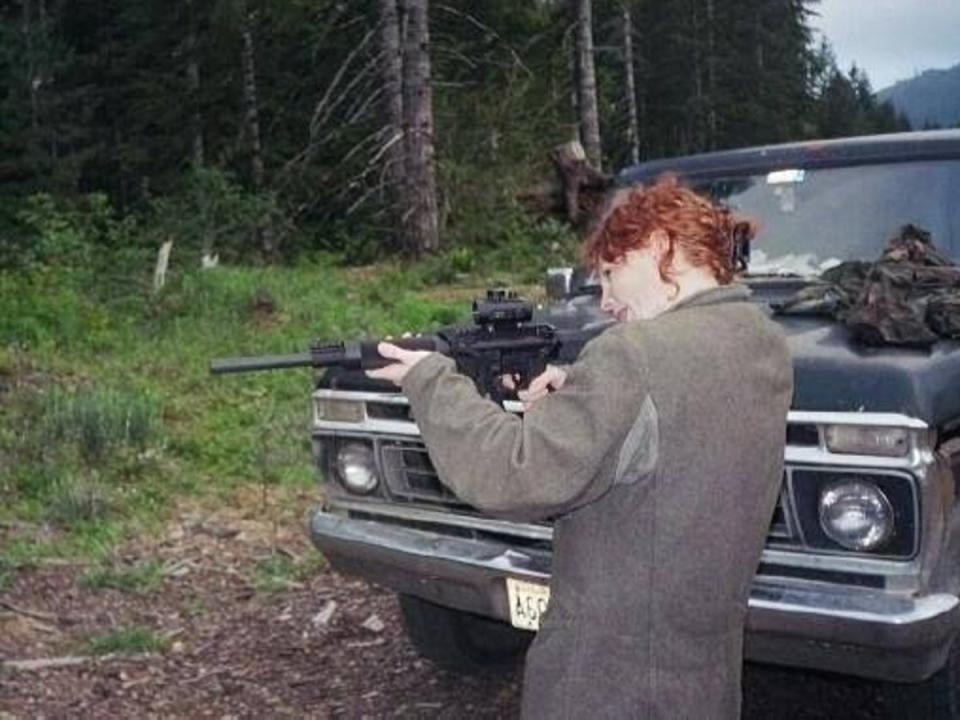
(855, 631)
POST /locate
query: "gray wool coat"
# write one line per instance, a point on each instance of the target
(661, 459)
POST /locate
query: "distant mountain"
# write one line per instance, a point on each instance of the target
(933, 96)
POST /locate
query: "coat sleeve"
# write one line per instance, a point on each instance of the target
(545, 463)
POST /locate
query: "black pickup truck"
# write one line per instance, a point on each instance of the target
(861, 572)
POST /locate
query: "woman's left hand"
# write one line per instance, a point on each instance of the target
(396, 371)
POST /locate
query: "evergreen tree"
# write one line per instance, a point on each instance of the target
(130, 99)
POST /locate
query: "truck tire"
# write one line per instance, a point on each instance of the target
(461, 641)
(937, 698)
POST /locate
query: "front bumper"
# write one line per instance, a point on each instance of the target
(855, 631)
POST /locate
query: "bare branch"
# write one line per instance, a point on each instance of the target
(472, 64)
(38, 615)
(372, 137)
(487, 29)
(358, 110)
(361, 76)
(362, 199)
(397, 137)
(70, 660)
(320, 109)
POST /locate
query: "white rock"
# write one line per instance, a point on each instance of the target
(374, 623)
(322, 618)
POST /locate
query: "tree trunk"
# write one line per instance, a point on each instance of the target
(711, 78)
(633, 125)
(758, 41)
(193, 87)
(392, 69)
(587, 84)
(27, 29)
(34, 28)
(697, 118)
(573, 62)
(252, 112)
(421, 231)
(252, 117)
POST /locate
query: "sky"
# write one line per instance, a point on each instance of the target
(891, 39)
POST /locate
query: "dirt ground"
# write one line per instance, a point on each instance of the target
(319, 646)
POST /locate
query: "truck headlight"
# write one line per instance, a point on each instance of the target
(357, 468)
(856, 514)
(865, 440)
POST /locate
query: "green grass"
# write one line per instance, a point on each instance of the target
(86, 541)
(140, 578)
(108, 410)
(274, 574)
(128, 640)
(278, 571)
(97, 421)
(6, 573)
(75, 500)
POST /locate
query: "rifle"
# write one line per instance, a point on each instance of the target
(503, 341)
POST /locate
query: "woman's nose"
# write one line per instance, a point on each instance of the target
(606, 302)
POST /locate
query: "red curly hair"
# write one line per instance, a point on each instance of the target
(705, 233)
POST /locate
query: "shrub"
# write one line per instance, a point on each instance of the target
(81, 233)
(213, 213)
(128, 640)
(45, 308)
(134, 579)
(74, 501)
(274, 573)
(7, 570)
(99, 421)
(37, 481)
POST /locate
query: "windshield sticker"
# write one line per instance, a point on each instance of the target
(787, 197)
(784, 177)
(789, 265)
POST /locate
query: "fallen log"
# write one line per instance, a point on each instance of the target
(39, 615)
(36, 664)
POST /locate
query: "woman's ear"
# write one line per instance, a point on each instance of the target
(659, 244)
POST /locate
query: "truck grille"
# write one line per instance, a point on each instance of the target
(410, 476)
(782, 531)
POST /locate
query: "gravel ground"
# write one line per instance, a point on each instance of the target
(319, 646)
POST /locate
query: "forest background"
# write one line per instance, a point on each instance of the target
(268, 129)
(351, 167)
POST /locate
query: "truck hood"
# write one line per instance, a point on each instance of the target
(831, 372)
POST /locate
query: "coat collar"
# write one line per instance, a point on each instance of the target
(735, 292)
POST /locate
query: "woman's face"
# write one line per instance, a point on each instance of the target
(632, 287)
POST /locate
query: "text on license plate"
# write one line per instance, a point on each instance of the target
(528, 602)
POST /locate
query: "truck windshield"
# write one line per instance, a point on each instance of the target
(811, 220)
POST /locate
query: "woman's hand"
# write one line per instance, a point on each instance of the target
(542, 385)
(404, 360)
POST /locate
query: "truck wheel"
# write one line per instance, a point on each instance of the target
(937, 698)
(461, 641)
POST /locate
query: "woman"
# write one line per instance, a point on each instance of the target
(659, 455)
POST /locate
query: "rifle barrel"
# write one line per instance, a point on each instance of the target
(263, 362)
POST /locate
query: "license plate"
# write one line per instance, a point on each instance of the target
(528, 602)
